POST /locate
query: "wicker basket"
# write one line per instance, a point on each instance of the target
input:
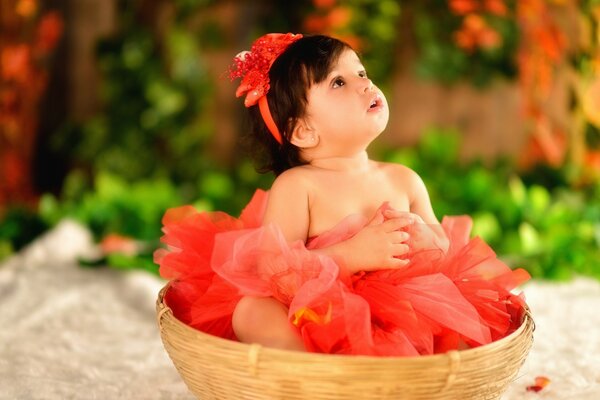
(216, 368)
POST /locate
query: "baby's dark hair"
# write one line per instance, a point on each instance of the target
(305, 62)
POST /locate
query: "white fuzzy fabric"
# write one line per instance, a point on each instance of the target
(67, 332)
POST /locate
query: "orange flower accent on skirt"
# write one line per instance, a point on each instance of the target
(308, 314)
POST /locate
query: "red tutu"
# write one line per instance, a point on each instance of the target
(442, 298)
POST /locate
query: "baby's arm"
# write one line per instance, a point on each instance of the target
(288, 205)
(376, 246)
(420, 205)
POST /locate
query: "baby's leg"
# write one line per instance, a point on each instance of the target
(264, 320)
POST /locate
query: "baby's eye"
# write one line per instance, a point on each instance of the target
(363, 74)
(338, 82)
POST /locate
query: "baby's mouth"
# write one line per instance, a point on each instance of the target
(375, 103)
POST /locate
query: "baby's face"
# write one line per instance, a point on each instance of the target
(346, 109)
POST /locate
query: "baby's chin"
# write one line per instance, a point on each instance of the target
(381, 122)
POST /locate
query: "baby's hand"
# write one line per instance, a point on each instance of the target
(422, 236)
(412, 217)
(381, 244)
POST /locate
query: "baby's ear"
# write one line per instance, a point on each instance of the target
(303, 136)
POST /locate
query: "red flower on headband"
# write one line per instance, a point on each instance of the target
(253, 66)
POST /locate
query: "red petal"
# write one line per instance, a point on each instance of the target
(542, 381)
(534, 388)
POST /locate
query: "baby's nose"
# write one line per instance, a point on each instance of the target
(368, 86)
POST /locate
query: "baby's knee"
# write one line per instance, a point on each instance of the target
(264, 320)
(242, 315)
(253, 314)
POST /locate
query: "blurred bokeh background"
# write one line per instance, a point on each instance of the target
(112, 111)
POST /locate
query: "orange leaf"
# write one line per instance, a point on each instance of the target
(592, 160)
(552, 41)
(552, 142)
(590, 102)
(596, 13)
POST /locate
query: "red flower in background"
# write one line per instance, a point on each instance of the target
(27, 40)
(592, 160)
(15, 63)
(324, 3)
(476, 33)
(542, 48)
(12, 170)
(463, 7)
(26, 8)
(333, 20)
(9, 103)
(49, 32)
(496, 7)
(548, 144)
(316, 23)
(339, 17)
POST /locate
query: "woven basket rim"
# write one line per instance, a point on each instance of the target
(163, 308)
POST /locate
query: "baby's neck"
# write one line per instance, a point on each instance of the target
(355, 163)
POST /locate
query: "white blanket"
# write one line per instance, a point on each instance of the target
(67, 332)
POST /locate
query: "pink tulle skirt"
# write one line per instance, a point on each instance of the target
(441, 300)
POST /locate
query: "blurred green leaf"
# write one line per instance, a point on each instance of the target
(216, 185)
(18, 225)
(530, 239)
(486, 225)
(126, 262)
(6, 249)
(517, 190)
(539, 200)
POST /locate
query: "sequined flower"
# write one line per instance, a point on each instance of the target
(253, 66)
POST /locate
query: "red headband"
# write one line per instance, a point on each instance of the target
(253, 67)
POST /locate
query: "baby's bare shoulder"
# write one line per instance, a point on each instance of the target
(294, 180)
(398, 171)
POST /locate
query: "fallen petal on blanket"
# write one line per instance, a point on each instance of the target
(540, 383)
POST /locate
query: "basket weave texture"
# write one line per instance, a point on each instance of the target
(216, 368)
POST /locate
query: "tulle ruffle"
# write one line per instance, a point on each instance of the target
(444, 298)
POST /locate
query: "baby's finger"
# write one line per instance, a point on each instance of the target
(392, 213)
(397, 263)
(416, 218)
(396, 223)
(398, 236)
(400, 249)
